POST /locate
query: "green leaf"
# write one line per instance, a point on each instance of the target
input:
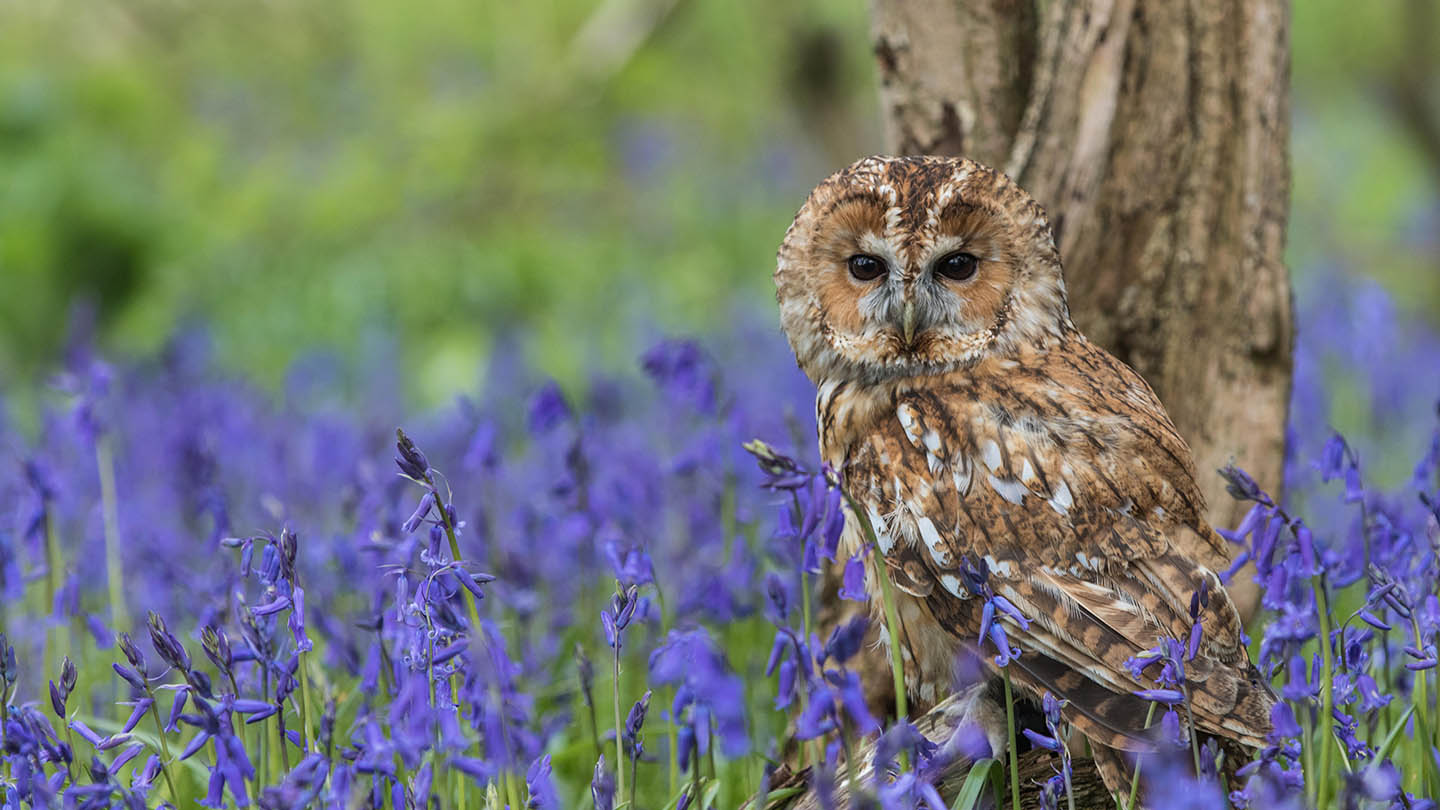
(1392, 738)
(780, 795)
(974, 785)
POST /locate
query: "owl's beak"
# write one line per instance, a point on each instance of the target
(907, 322)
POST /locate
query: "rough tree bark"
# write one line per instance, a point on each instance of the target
(1156, 133)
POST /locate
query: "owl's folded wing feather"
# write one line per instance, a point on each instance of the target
(1083, 548)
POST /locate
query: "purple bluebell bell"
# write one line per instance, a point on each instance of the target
(602, 786)
(852, 582)
(709, 698)
(540, 786)
(60, 694)
(547, 409)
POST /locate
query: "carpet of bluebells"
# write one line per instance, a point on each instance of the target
(598, 598)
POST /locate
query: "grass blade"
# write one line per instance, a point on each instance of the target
(975, 781)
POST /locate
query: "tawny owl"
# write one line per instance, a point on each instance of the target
(970, 421)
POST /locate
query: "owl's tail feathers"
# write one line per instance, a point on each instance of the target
(1116, 770)
(1118, 719)
(1106, 717)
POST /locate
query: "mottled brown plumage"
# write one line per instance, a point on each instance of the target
(970, 419)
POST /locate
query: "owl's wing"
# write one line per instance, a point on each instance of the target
(1075, 541)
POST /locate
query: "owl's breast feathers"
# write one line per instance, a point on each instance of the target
(1061, 470)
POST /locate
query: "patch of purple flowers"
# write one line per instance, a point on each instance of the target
(403, 636)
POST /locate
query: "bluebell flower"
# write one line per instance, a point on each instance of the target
(708, 698)
(903, 737)
(540, 786)
(631, 566)
(1377, 783)
(602, 786)
(845, 640)
(781, 471)
(684, 372)
(60, 694)
(1282, 721)
(852, 584)
(975, 576)
(9, 669)
(616, 617)
(777, 592)
(548, 409)
(1242, 487)
(411, 461)
(1172, 783)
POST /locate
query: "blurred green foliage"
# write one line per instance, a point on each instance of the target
(313, 173)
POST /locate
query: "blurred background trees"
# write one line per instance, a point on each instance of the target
(562, 178)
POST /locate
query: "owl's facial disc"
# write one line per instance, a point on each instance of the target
(913, 305)
(911, 266)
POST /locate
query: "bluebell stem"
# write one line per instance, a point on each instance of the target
(1055, 741)
(585, 671)
(9, 672)
(976, 578)
(634, 722)
(136, 658)
(58, 697)
(615, 618)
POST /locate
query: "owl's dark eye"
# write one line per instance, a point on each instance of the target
(957, 266)
(866, 267)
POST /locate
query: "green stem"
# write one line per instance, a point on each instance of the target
(4, 720)
(673, 732)
(805, 621)
(1307, 750)
(244, 732)
(1135, 777)
(1010, 731)
(70, 741)
(695, 779)
(264, 766)
(619, 726)
(851, 777)
(52, 583)
(1194, 736)
(512, 788)
(634, 778)
(1415, 776)
(164, 746)
(1327, 695)
(307, 733)
(476, 634)
(1069, 787)
(805, 602)
(282, 740)
(114, 573)
(892, 617)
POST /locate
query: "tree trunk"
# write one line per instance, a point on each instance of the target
(1155, 133)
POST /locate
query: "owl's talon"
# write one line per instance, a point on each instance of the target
(976, 707)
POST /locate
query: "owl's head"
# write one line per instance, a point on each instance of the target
(916, 265)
